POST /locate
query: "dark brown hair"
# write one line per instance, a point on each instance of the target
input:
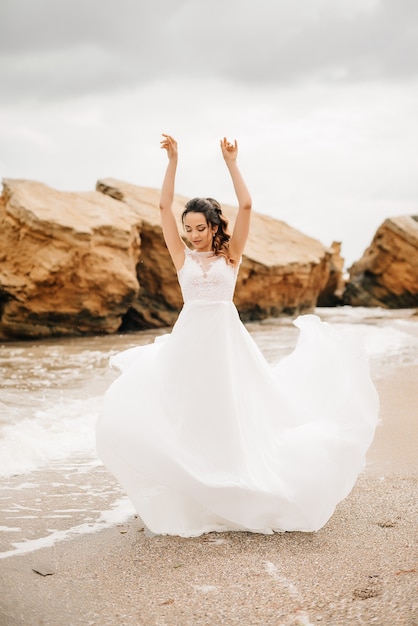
(212, 211)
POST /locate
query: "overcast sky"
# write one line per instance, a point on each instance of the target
(322, 96)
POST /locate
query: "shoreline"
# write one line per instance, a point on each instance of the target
(360, 568)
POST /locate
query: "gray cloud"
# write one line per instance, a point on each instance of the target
(53, 49)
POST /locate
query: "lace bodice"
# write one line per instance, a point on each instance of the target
(206, 277)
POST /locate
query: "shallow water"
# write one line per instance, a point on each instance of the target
(51, 390)
(50, 396)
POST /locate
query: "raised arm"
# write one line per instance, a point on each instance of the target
(171, 234)
(242, 223)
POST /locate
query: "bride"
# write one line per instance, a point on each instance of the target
(202, 433)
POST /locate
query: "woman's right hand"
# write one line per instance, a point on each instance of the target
(169, 144)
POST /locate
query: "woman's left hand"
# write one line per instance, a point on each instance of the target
(229, 150)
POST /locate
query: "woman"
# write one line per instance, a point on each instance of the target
(201, 431)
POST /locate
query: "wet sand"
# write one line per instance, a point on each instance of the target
(360, 569)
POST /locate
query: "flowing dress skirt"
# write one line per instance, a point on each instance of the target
(204, 435)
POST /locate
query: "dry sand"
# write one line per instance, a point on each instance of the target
(360, 569)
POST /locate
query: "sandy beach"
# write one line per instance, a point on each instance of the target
(360, 569)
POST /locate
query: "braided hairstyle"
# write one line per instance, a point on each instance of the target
(212, 211)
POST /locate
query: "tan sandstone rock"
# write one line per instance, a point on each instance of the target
(332, 295)
(91, 262)
(282, 271)
(67, 261)
(387, 273)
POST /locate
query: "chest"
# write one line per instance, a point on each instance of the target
(207, 277)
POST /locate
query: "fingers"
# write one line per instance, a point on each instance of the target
(168, 141)
(227, 145)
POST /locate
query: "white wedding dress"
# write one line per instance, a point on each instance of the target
(204, 435)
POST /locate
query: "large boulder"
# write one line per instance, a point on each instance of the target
(282, 272)
(92, 262)
(159, 299)
(67, 261)
(387, 273)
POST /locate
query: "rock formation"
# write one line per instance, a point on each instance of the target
(387, 273)
(67, 261)
(332, 295)
(282, 271)
(91, 262)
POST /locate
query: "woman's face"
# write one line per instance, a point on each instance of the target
(198, 231)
